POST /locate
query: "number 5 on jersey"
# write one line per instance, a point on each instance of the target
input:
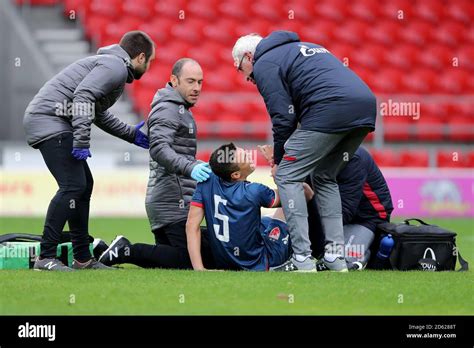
(224, 237)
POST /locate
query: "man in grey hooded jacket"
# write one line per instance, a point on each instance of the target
(58, 122)
(174, 171)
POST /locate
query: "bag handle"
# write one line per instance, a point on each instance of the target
(19, 237)
(407, 221)
(464, 264)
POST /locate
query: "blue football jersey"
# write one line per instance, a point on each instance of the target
(232, 212)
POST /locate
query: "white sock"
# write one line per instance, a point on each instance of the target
(301, 258)
(331, 257)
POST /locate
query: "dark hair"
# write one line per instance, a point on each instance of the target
(178, 66)
(136, 42)
(223, 161)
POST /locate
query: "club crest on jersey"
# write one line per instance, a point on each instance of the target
(274, 233)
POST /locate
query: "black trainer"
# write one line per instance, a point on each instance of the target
(50, 265)
(321, 266)
(117, 252)
(91, 264)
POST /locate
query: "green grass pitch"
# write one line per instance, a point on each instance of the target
(133, 291)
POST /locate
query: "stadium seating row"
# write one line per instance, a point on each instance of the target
(427, 49)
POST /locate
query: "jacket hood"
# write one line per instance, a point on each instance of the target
(169, 94)
(118, 51)
(275, 39)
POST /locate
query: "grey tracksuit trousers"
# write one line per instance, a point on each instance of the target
(322, 155)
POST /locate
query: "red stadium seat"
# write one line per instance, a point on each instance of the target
(384, 32)
(414, 158)
(370, 56)
(365, 10)
(94, 26)
(397, 128)
(451, 33)
(171, 53)
(271, 10)
(432, 11)
(435, 109)
(203, 155)
(156, 77)
(208, 109)
(303, 11)
(221, 79)
(435, 57)
(231, 126)
(400, 10)
(402, 57)
(429, 128)
(466, 56)
(352, 32)
(331, 10)
(203, 9)
(385, 157)
(222, 31)
(159, 30)
(143, 98)
(462, 109)
(386, 81)
(320, 32)
(452, 158)
(235, 9)
(470, 159)
(461, 129)
(188, 30)
(142, 9)
(206, 55)
(238, 107)
(107, 8)
(453, 81)
(418, 33)
(421, 81)
(460, 11)
(171, 9)
(343, 52)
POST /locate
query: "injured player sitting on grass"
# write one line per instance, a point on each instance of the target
(239, 238)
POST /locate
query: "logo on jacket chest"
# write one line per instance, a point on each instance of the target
(307, 51)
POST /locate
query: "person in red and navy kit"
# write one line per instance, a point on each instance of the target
(239, 238)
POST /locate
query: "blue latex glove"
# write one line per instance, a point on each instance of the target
(201, 172)
(80, 153)
(140, 138)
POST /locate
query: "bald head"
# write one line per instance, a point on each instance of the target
(186, 78)
(179, 65)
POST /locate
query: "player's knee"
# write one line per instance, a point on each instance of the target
(74, 190)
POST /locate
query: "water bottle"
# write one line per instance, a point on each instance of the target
(386, 246)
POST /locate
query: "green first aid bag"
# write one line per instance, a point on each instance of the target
(22, 255)
(19, 251)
